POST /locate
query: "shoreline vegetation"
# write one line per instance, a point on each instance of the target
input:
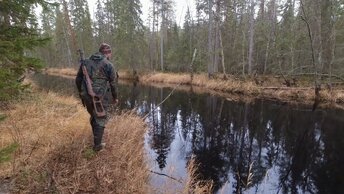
(237, 87)
(46, 147)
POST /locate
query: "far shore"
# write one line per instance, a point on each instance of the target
(264, 87)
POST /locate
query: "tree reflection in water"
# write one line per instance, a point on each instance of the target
(287, 149)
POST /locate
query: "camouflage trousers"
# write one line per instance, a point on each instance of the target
(97, 123)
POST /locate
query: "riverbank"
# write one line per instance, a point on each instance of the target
(265, 87)
(51, 143)
(45, 147)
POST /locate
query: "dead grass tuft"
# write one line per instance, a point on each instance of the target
(193, 184)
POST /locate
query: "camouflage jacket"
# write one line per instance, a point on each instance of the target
(102, 74)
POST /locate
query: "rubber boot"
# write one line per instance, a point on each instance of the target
(97, 137)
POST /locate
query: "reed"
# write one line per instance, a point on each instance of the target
(190, 184)
(193, 183)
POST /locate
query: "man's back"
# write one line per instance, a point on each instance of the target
(101, 72)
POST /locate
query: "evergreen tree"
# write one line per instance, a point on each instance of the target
(99, 23)
(62, 44)
(110, 19)
(173, 58)
(286, 39)
(48, 52)
(129, 37)
(18, 35)
(186, 43)
(82, 24)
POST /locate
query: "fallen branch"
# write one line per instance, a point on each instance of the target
(168, 176)
(285, 88)
(168, 96)
(322, 75)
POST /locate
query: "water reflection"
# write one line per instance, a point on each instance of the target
(257, 147)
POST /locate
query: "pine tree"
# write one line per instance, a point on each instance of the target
(18, 35)
(62, 44)
(82, 25)
(129, 37)
(99, 23)
(186, 42)
(48, 52)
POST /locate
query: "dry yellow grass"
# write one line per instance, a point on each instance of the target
(201, 80)
(54, 152)
(271, 87)
(62, 71)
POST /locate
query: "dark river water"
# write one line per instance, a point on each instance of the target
(256, 147)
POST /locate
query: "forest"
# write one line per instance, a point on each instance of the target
(291, 38)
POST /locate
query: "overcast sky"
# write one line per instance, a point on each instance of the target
(180, 8)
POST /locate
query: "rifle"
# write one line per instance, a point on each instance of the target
(96, 99)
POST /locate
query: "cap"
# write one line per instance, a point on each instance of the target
(105, 48)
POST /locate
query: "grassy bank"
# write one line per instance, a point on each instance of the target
(45, 147)
(271, 87)
(262, 87)
(47, 139)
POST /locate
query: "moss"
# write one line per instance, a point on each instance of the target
(2, 117)
(6, 152)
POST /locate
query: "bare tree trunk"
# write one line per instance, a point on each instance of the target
(251, 38)
(162, 28)
(69, 54)
(191, 65)
(70, 31)
(222, 55)
(333, 38)
(216, 48)
(267, 54)
(210, 41)
(243, 53)
(332, 44)
(326, 33)
(272, 21)
(157, 42)
(292, 42)
(310, 35)
(152, 41)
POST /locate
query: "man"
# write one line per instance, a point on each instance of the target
(104, 77)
